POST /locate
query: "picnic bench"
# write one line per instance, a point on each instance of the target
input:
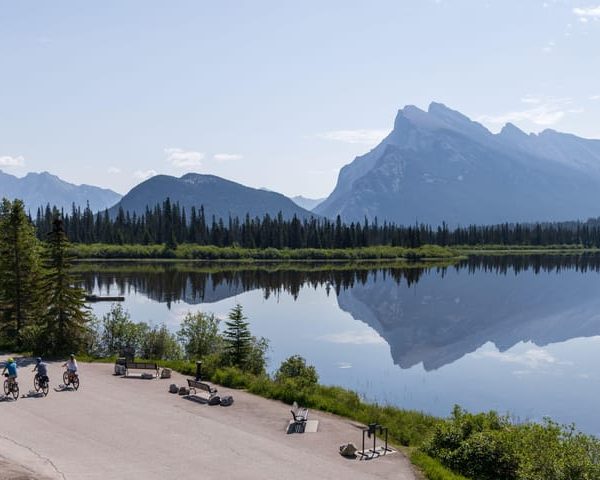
(195, 385)
(141, 366)
(300, 414)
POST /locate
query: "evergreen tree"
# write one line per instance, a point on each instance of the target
(66, 316)
(237, 336)
(20, 270)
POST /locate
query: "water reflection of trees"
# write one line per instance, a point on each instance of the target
(172, 282)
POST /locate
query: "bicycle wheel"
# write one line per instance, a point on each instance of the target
(45, 386)
(66, 378)
(75, 382)
(36, 383)
(6, 387)
(15, 391)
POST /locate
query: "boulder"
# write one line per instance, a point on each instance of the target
(348, 450)
(165, 373)
(173, 388)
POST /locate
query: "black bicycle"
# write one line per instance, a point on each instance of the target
(11, 387)
(41, 383)
(71, 378)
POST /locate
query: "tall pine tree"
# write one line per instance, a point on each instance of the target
(237, 336)
(66, 316)
(20, 270)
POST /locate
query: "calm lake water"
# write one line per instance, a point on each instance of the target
(519, 335)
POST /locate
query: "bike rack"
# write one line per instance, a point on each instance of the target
(371, 431)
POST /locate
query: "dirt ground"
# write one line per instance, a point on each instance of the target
(129, 428)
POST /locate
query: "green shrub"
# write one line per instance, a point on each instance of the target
(295, 368)
(432, 469)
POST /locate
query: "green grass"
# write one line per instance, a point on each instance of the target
(101, 251)
(431, 468)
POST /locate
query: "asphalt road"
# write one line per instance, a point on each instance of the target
(129, 428)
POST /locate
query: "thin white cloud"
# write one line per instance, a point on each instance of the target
(8, 161)
(364, 137)
(594, 97)
(184, 158)
(587, 12)
(113, 170)
(225, 157)
(144, 174)
(344, 365)
(367, 337)
(549, 47)
(540, 111)
(533, 358)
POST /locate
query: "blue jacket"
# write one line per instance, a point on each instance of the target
(12, 369)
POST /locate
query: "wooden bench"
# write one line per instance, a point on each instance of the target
(141, 366)
(300, 414)
(204, 387)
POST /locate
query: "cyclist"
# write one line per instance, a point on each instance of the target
(11, 366)
(41, 368)
(71, 365)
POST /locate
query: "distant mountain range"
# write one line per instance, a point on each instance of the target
(39, 189)
(435, 166)
(307, 203)
(440, 166)
(219, 197)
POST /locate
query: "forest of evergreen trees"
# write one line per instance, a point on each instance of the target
(171, 225)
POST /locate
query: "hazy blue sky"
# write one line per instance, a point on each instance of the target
(276, 94)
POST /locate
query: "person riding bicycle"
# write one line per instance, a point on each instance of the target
(41, 368)
(71, 365)
(11, 366)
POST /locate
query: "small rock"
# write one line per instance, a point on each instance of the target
(184, 391)
(173, 388)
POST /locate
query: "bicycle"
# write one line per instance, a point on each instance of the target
(11, 387)
(71, 378)
(41, 383)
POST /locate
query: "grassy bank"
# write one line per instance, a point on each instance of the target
(203, 252)
(101, 251)
(466, 250)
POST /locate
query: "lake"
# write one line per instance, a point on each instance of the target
(520, 335)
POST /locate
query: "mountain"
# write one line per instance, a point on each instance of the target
(40, 189)
(440, 166)
(219, 197)
(306, 203)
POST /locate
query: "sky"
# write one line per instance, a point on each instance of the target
(276, 94)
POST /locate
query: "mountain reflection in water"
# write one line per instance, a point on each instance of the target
(428, 315)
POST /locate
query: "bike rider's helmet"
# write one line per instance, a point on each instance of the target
(72, 355)
(38, 360)
(11, 360)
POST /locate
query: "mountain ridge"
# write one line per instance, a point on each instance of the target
(218, 196)
(439, 166)
(40, 189)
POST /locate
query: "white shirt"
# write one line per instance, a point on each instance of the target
(72, 365)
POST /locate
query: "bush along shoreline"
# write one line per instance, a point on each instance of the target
(188, 251)
(482, 446)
